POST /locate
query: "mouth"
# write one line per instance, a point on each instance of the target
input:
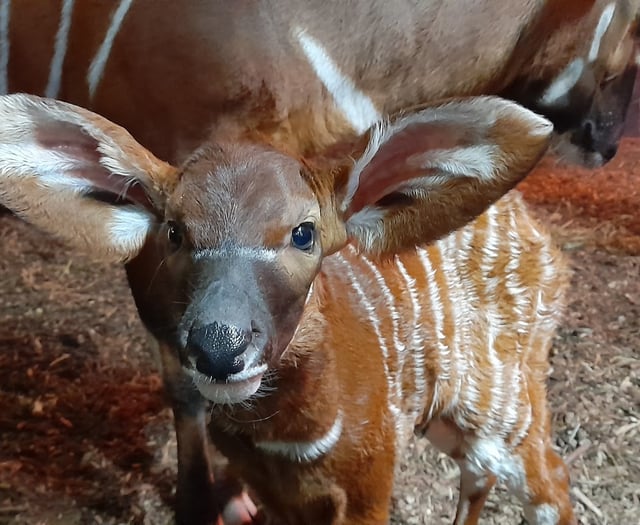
(567, 153)
(234, 389)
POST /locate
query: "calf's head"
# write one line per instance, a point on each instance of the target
(222, 253)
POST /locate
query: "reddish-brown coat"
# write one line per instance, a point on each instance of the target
(216, 61)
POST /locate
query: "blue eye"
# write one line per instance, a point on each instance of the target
(302, 236)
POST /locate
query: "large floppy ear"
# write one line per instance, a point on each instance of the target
(431, 171)
(76, 175)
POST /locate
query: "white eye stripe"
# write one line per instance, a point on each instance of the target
(246, 252)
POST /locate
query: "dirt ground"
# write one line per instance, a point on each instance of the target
(85, 437)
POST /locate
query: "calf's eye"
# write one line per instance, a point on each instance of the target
(174, 235)
(303, 236)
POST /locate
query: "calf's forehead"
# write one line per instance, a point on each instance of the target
(248, 196)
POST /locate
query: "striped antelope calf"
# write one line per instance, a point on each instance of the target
(291, 294)
(308, 74)
(315, 71)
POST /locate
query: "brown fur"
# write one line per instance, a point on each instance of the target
(335, 361)
(335, 364)
(215, 61)
(335, 351)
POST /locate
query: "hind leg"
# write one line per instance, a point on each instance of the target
(474, 489)
(545, 494)
(476, 477)
(533, 472)
(544, 486)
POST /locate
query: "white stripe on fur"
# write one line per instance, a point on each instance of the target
(96, 69)
(59, 51)
(356, 107)
(563, 83)
(603, 24)
(305, 452)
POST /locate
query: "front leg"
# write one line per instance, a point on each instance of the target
(194, 502)
(199, 501)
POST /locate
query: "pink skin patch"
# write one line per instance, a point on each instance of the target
(240, 510)
(389, 168)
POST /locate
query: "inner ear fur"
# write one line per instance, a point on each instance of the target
(431, 172)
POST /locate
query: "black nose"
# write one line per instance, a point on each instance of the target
(217, 349)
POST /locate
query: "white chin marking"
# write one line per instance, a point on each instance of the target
(236, 389)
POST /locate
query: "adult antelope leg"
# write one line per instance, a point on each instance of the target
(194, 499)
(199, 500)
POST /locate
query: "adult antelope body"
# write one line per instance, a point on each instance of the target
(318, 332)
(313, 72)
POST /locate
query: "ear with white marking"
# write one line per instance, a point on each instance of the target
(78, 176)
(431, 171)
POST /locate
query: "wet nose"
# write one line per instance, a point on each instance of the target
(217, 348)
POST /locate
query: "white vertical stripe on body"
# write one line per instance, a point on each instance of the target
(395, 320)
(59, 50)
(522, 310)
(435, 298)
(407, 418)
(358, 109)
(96, 69)
(457, 252)
(375, 323)
(458, 364)
(417, 341)
(490, 252)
